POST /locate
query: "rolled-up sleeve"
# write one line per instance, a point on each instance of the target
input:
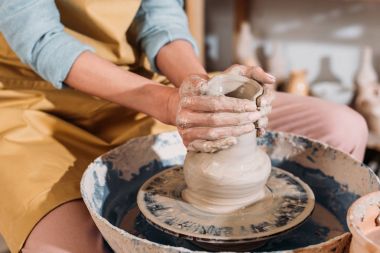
(159, 22)
(34, 32)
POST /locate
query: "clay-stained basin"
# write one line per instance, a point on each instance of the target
(110, 185)
(364, 223)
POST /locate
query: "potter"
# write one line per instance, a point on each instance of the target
(231, 178)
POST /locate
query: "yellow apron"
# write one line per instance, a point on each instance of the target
(49, 136)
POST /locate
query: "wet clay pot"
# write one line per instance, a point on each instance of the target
(232, 178)
(363, 220)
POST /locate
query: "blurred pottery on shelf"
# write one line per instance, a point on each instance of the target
(367, 102)
(297, 83)
(366, 73)
(334, 92)
(363, 220)
(276, 64)
(245, 45)
(327, 86)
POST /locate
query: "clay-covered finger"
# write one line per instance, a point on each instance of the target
(259, 75)
(211, 146)
(218, 104)
(207, 133)
(262, 123)
(253, 72)
(237, 70)
(267, 97)
(260, 132)
(265, 110)
(187, 119)
(193, 85)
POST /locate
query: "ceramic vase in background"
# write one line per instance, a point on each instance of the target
(297, 83)
(245, 45)
(366, 73)
(276, 64)
(367, 100)
(328, 87)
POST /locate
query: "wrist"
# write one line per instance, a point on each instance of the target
(177, 60)
(171, 108)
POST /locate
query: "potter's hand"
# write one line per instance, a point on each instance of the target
(212, 123)
(265, 101)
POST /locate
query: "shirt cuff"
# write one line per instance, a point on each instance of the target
(156, 41)
(57, 58)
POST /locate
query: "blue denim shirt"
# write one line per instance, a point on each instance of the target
(33, 30)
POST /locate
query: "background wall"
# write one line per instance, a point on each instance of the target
(219, 21)
(307, 31)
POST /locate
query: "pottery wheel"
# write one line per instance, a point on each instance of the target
(288, 202)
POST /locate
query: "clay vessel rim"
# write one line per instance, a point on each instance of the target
(351, 216)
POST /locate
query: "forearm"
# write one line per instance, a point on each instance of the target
(96, 76)
(177, 60)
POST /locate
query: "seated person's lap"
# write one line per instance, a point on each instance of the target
(69, 227)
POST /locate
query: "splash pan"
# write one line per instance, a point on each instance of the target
(111, 183)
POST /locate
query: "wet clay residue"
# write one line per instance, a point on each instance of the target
(232, 178)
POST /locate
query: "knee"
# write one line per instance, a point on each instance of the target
(347, 130)
(67, 228)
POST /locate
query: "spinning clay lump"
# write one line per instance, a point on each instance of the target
(233, 178)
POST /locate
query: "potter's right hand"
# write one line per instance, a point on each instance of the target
(211, 123)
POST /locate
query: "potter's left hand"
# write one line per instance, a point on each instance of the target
(265, 101)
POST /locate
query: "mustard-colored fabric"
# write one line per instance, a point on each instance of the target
(49, 136)
(47, 139)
